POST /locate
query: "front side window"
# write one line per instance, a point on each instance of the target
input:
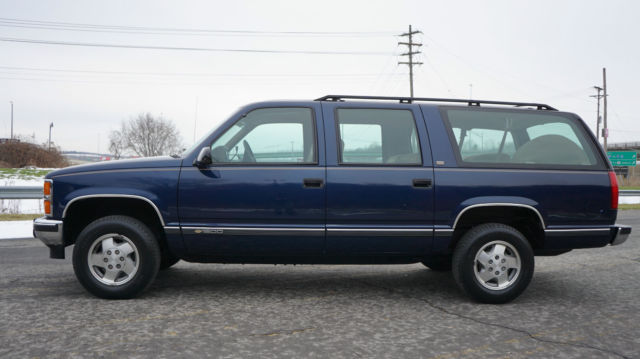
(269, 135)
(519, 138)
(377, 136)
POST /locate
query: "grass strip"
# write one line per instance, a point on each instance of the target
(19, 217)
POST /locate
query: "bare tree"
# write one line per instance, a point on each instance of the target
(117, 145)
(145, 136)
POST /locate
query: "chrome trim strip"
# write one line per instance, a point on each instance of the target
(498, 205)
(143, 169)
(64, 212)
(443, 232)
(379, 231)
(458, 169)
(262, 167)
(265, 231)
(172, 230)
(306, 231)
(577, 230)
(391, 167)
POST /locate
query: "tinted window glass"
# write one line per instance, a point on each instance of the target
(269, 135)
(378, 136)
(519, 138)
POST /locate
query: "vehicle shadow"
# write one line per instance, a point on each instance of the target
(305, 280)
(412, 282)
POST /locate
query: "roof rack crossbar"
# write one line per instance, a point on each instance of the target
(338, 98)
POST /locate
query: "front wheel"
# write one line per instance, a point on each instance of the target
(493, 263)
(116, 257)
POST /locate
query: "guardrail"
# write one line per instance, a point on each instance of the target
(35, 192)
(629, 192)
(21, 192)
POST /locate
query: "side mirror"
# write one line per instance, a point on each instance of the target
(204, 158)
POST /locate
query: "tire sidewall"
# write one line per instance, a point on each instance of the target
(479, 239)
(148, 256)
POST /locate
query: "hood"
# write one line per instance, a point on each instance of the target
(147, 162)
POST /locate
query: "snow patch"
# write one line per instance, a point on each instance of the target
(16, 229)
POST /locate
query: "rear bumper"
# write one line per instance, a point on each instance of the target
(49, 231)
(620, 233)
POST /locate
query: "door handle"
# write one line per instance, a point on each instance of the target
(313, 183)
(422, 182)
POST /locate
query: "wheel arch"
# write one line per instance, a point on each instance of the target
(82, 210)
(524, 217)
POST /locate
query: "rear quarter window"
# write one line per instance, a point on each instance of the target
(522, 138)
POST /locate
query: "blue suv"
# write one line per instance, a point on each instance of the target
(475, 187)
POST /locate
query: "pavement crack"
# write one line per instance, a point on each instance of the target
(283, 332)
(479, 321)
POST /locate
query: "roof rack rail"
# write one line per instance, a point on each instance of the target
(336, 98)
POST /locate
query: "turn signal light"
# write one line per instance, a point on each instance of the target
(47, 207)
(47, 191)
(47, 188)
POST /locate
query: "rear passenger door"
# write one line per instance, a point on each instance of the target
(379, 180)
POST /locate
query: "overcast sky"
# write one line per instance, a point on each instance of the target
(536, 51)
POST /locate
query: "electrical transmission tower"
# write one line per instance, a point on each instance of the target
(410, 44)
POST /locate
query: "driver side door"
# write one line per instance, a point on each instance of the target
(264, 193)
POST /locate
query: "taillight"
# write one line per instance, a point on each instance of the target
(613, 181)
(47, 191)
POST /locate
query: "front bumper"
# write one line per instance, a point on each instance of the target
(49, 231)
(620, 233)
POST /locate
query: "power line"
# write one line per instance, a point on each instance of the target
(69, 26)
(185, 74)
(205, 49)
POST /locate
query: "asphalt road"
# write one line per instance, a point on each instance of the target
(584, 304)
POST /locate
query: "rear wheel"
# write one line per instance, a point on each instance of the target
(116, 257)
(493, 263)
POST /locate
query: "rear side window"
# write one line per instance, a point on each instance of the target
(377, 136)
(520, 139)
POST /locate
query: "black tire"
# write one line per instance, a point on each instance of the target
(438, 264)
(167, 260)
(145, 257)
(465, 266)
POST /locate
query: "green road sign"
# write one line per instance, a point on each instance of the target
(622, 158)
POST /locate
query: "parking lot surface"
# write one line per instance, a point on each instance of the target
(585, 303)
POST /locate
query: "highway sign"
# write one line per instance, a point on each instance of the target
(622, 158)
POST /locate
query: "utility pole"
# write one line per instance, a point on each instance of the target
(195, 121)
(605, 129)
(11, 119)
(50, 126)
(598, 118)
(410, 53)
